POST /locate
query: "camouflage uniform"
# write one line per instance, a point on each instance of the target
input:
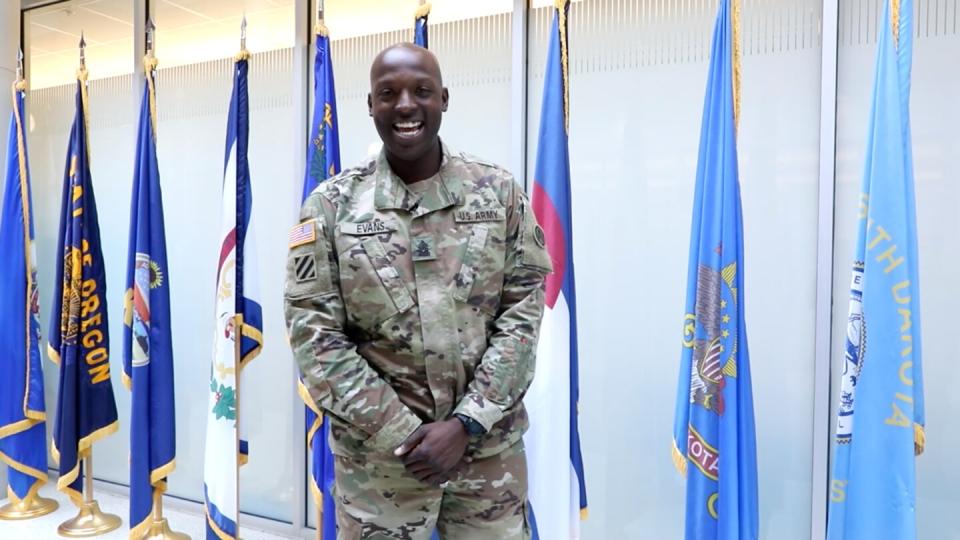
(405, 308)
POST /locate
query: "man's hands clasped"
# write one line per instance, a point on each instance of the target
(432, 451)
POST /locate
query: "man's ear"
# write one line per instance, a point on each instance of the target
(370, 104)
(445, 97)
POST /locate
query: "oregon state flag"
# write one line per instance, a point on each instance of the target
(323, 161)
(238, 327)
(79, 339)
(147, 347)
(880, 422)
(714, 440)
(23, 432)
(558, 497)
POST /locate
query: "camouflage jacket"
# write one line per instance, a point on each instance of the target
(405, 308)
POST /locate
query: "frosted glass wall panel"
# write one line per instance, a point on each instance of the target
(192, 103)
(936, 145)
(53, 36)
(638, 73)
(112, 142)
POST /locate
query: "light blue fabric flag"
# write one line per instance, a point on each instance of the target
(880, 419)
(714, 436)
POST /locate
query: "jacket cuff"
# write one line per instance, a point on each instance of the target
(394, 432)
(480, 409)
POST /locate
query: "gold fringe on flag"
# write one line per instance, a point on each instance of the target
(561, 6)
(149, 66)
(895, 22)
(679, 460)
(736, 63)
(919, 439)
(242, 55)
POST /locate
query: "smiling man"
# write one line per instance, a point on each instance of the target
(413, 301)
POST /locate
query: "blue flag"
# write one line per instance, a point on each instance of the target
(872, 491)
(147, 348)
(323, 161)
(79, 340)
(714, 436)
(23, 432)
(558, 496)
(420, 26)
(238, 335)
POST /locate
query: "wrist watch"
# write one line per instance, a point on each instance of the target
(471, 426)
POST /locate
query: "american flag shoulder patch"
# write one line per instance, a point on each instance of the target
(303, 233)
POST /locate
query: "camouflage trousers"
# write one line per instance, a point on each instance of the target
(485, 499)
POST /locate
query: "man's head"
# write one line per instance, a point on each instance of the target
(406, 101)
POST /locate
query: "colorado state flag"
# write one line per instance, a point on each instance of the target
(714, 440)
(880, 424)
(558, 497)
(79, 339)
(147, 347)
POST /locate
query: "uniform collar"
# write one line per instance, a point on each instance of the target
(392, 193)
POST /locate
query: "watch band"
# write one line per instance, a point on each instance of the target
(472, 427)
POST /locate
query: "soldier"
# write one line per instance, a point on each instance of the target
(413, 300)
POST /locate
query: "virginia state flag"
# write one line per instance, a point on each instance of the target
(323, 161)
(147, 348)
(880, 420)
(714, 440)
(557, 491)
(23, 433)
(420, 26)
(239, 325)
(79, 340)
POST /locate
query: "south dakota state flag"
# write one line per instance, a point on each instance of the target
(147, 348)
(79, 340)
(558, 496)
(323, 161)
(881, 417)
(239, 325)
(23, 432)
(713, 437)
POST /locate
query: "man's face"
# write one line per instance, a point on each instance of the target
(406, 101)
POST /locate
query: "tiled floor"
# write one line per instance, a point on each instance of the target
(45, 527)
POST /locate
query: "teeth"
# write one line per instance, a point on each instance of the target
(408, 125)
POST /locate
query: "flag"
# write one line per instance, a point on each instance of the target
(239, 325)
(714, 440)
(79, 341)
(23, 415)
(558, 496)
(873, 488)
(420, 26)
(323, 161)
(147, 348)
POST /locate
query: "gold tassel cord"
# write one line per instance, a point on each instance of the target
(679, 460)
(422, 11)
(320, 29)
(919, 439)
(242, 55)
(561, 6)
(82, 76)
(736, 64)
(149, 68)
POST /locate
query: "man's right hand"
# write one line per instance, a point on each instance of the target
(433, 450)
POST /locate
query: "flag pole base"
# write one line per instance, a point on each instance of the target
(160, 530)
(91, 521)
(21, 510)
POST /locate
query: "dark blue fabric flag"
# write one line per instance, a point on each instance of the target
(714, 435)
(79, 341)
(323, 161)
(23, 432)
(147, 347)
(420, 26)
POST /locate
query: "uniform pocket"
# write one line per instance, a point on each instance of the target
(463, 281)
(389, 277)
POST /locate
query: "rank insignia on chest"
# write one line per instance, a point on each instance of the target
(423, 248)
(303, 233)
(306, 267)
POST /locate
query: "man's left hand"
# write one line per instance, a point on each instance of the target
(434, 449)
